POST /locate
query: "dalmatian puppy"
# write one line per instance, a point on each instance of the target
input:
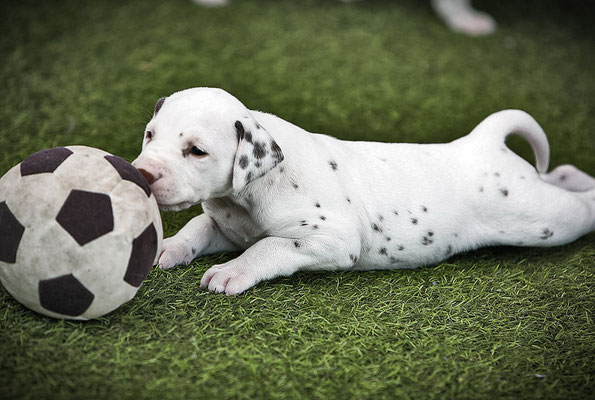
(458, 15)
(294, 200)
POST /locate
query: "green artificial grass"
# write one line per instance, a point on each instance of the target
(506, 323)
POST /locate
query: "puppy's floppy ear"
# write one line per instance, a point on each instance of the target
(257, 153)
(158, 105)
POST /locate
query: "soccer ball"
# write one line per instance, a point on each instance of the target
(79, 232)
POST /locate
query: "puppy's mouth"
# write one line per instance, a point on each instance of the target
(175, 206)
(165, 203)
(171, 199)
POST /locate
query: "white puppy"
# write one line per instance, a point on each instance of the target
(458, 15)
(294, 200)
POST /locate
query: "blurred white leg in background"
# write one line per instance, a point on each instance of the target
(211, 3)
(460, 16)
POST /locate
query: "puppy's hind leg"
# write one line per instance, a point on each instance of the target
(570, 178)
(545, 215)
(200, 236)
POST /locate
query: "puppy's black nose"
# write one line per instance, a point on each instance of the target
(148, 176)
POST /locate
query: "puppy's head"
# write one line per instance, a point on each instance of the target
(201, 144)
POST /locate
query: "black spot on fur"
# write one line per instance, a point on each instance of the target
(456, 235)
(426, 241)
(380, 217)
(448, 250)
(295, 185)
(546, 234)
(353, 258)
(193, 251)
(303, 223)
(244, 161)
(562, 178)
(497, 174)
(239, 130)
(181, 134)
(504, 192)
(383, 251)
(394, 260)
(314, 227)
(249, 177)
(481, 189)
(296, 244)
(317, 205)
(248, 137)
(401, 248)
(333, 165)
(430, 233)
(281, 169)
(414, 221)
(259, 150)
(395, 212)
(376, 228)
(424, 208)
(277, 153)
(348, 200)
(322, 217)
(388, 239)
(522, 177)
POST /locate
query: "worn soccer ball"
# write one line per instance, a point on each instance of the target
(79, 232)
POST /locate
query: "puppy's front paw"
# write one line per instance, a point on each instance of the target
(174, 254)
(227, 278)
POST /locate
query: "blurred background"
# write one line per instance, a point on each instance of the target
(388, 70)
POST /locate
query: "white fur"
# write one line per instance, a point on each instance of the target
(338, 205)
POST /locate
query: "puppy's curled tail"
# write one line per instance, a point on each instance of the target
(499, 125)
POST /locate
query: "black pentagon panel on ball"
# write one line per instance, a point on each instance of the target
(11, 232)
(46, 160)
(65, 295)
(129, 173)
(86, 215)
(144, 249)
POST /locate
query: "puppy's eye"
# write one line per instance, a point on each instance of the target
(148, 135)
(197, 151)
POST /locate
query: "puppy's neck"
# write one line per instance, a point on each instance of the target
(262, 191)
